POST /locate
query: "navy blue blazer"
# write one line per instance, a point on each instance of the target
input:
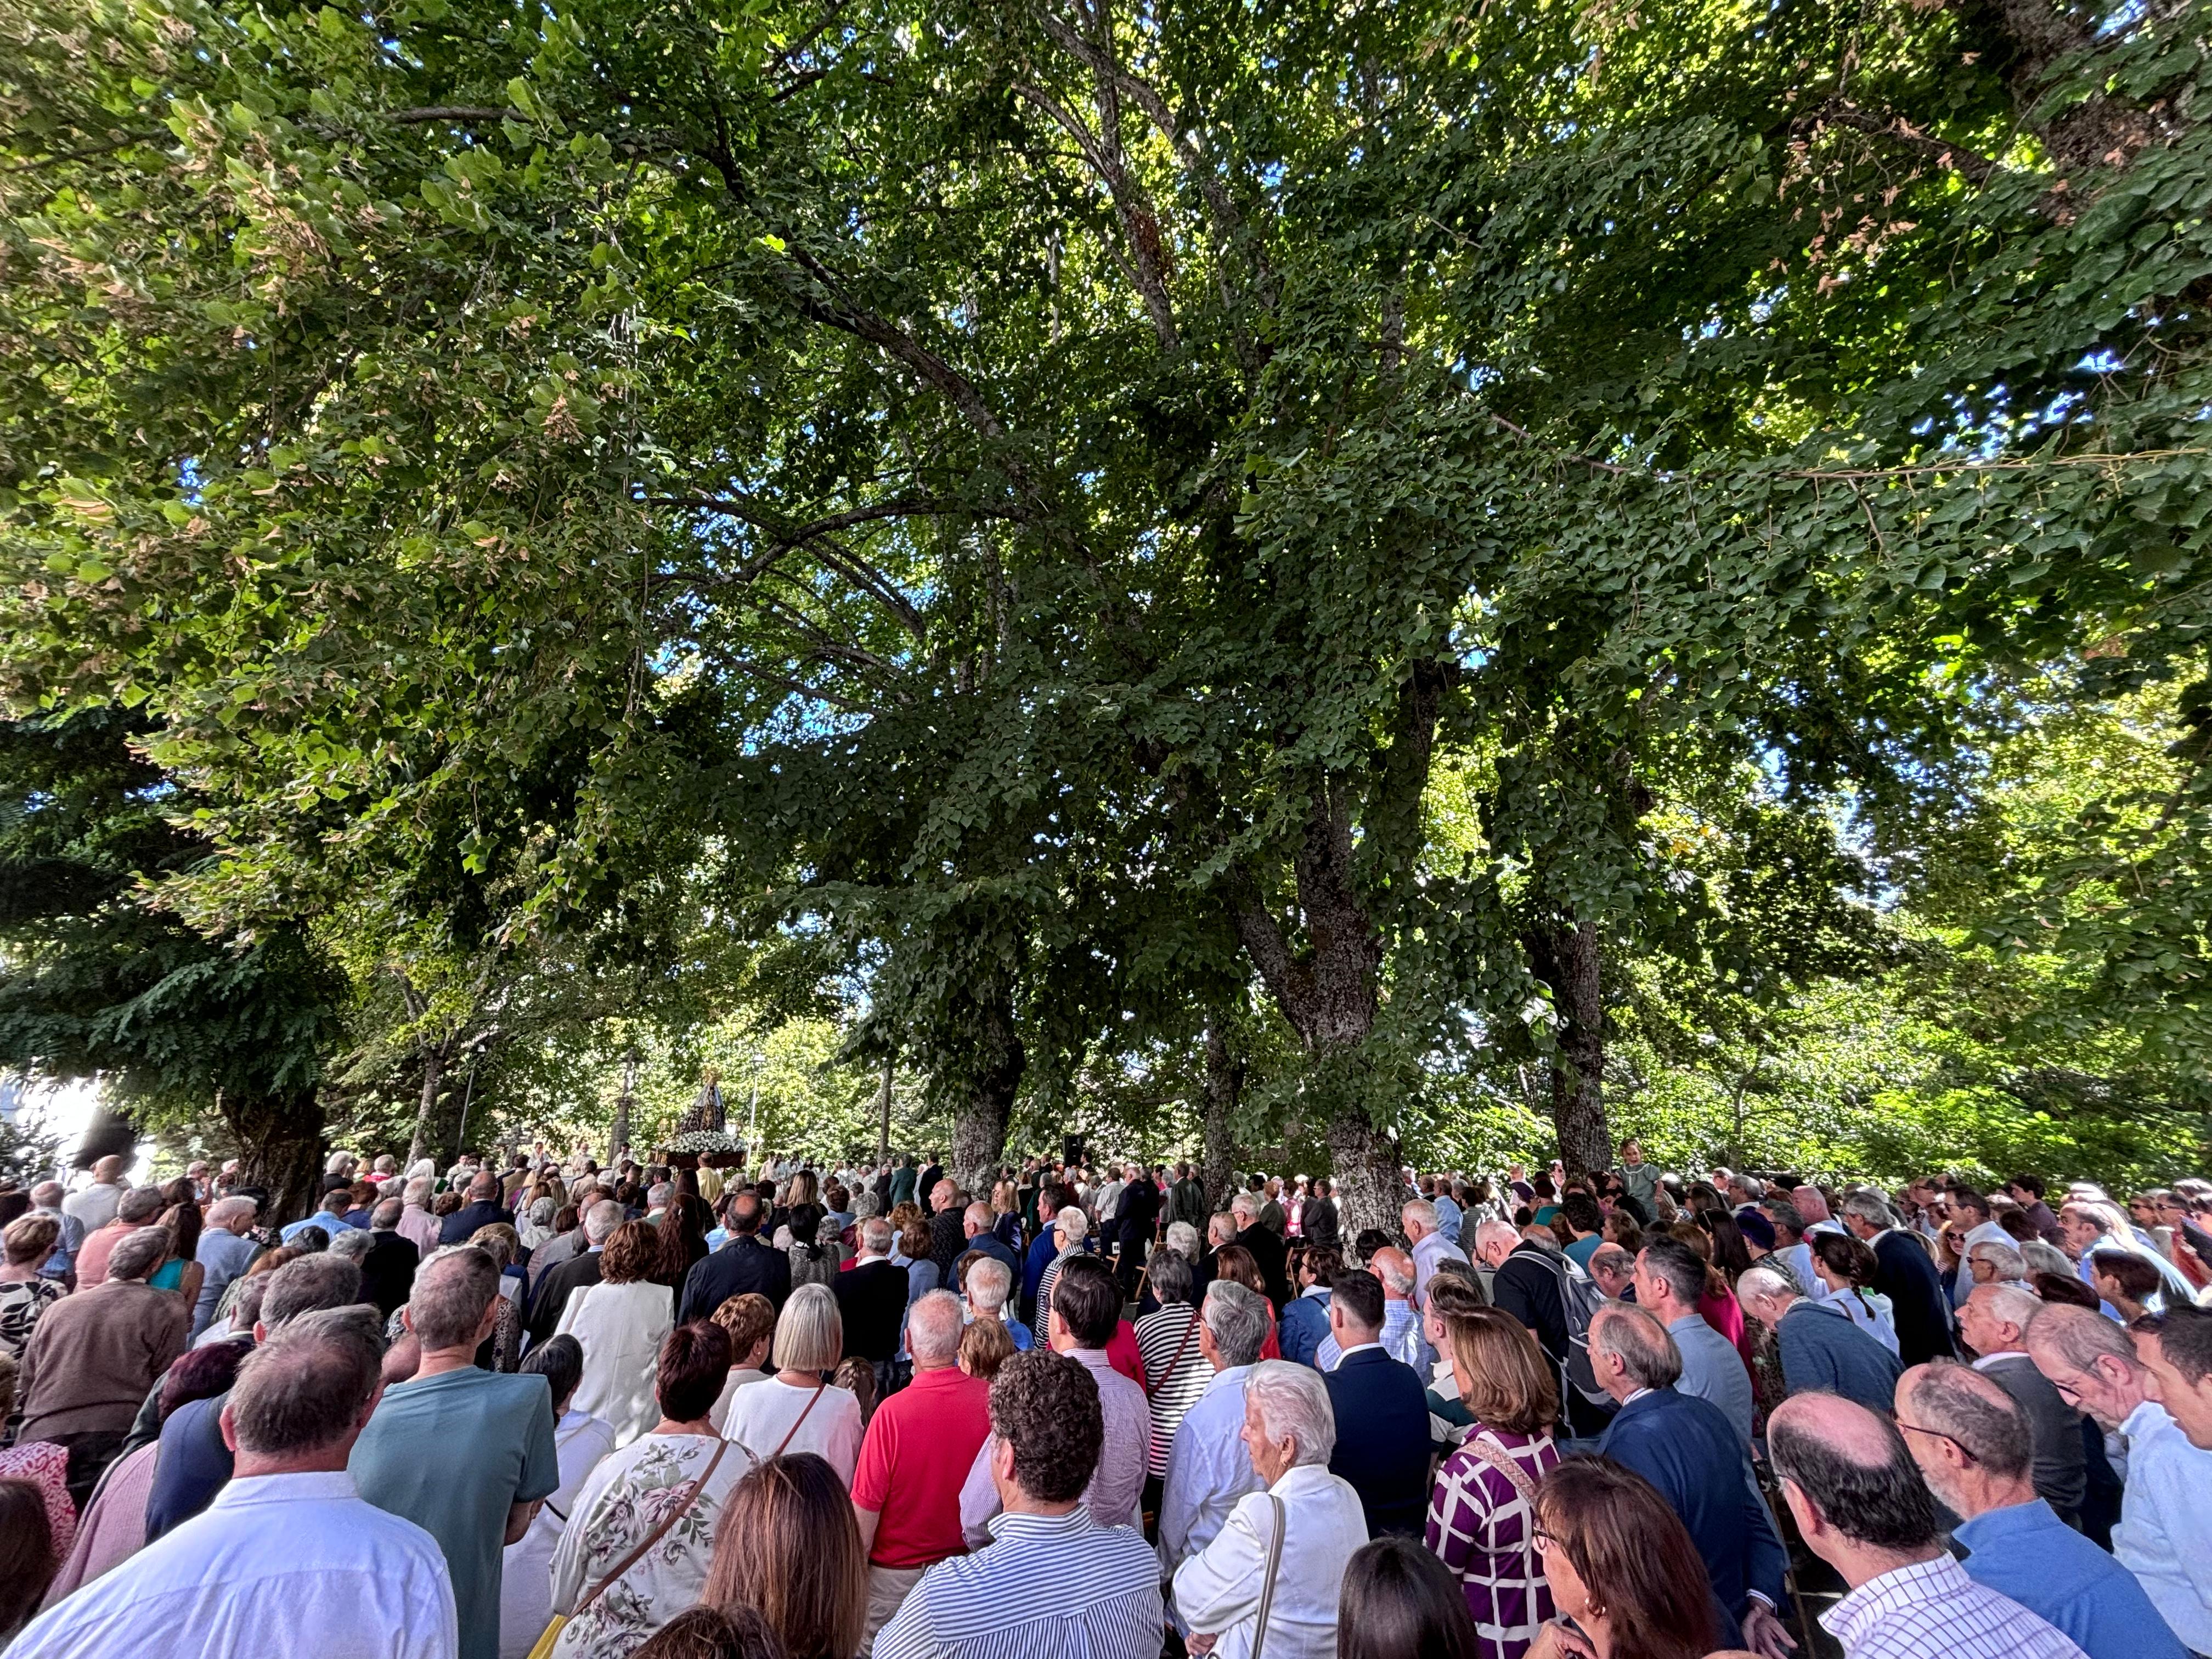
(1382, 1439)
(1905, 1273)
(1688, 1448)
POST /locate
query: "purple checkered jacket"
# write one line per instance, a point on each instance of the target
(1484, 1530)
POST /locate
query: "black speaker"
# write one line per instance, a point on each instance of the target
(1071, 1149)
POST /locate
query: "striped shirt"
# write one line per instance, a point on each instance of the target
(1933, 1610)
(1482, 1528)
(1175, 1373)
(1048, 1587)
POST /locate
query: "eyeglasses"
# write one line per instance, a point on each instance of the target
(1937, 1434)
(1543, 1540)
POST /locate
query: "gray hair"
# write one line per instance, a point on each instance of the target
(1395, 1278)
(1183, 1239)
(876, 1236)
(304, 1387)
(224, 1211)
(601, 1221)
(810, 1332)
(1072, 1224)
(139, 1252)
(1976, 1412)
(582, 1187)
(308, 1284)
(1293, 1404)
(1238, 1318)
(932, 1327)
(1764, 1280)
(2045, 1257)
(1421, 1210)
(1172, 1277)
(2004, 1261)
(865, 1204)
(1246, 1204)
(1634, 1336)
(990, 1281)
(352, 1245)
(1871, 1208)
(418, 1189)
(657, 1194)
(2013, 1305)
(450, 1293)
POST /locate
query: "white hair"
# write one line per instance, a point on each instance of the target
(1756, 1282)
(224, 1211)
(1245, 1203)
(932, 1327)
(1293, 1404)
(989, 1283)
(418, 1188)
(2009, 1304)
(1183, 1239)
(1421, 1210)
(1072, 1224)
(601, 1221)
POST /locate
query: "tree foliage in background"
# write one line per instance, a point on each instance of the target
(1049, 504)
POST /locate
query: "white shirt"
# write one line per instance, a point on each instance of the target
(1217, 1591)
(277, 1564)
(1932, 1610)
(761, 1416)
(93, 1207)
(526, 1590)
(2165, 1532)
(1208, 1469)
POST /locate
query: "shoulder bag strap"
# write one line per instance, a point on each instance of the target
(676, 1514)
(1274, 1569)
(1490, 1452)
(801, 1419)
(1188, 1332)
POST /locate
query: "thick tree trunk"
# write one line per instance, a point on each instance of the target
(1569, 960)
(434, 1073)
(279, 1150)
(1224, 1085)
(1371, 1184)
(978, 1123)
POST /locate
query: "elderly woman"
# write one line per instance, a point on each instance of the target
(620, 1321)
(1284, 1549)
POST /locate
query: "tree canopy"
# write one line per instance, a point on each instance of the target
(1409, 566)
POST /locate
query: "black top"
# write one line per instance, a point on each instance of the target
(1382, 1440)
(387, 1272)
(459, 1226)
(744, 1265)
(872, 1300)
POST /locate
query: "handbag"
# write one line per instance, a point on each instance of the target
(1274, 1569)
(551, 1636)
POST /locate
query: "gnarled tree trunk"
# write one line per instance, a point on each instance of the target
(1224, 1085)
(994, 1075)
(1569, 960)
(279, 1150)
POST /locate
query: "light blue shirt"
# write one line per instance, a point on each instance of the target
(2165, 1532)
(330, 1223)
(225, 1256)
(2025, 1551)
(1208, 1469)
(1448, 1215)
(1712, 1369)
(1402, 1339)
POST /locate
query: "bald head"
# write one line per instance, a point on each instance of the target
(1395, 1269)
(1964, 1429)
(977, 1218)
(1849, 1479)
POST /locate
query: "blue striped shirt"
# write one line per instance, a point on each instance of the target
(1048, 1587)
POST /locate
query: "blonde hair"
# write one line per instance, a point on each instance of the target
(810, 1333)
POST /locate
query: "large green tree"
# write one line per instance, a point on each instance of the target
(1030, 490)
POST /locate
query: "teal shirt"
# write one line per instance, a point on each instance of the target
(451, 1454)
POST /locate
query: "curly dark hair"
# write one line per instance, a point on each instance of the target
(1045, 1406)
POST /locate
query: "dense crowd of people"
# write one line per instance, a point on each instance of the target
(556, 1411)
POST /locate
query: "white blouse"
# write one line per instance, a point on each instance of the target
(620, 1327)
(762, 1415)
(1217, 1591)
(525, 1596)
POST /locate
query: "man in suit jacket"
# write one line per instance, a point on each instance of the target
(1690, 1452)
(742, 1264)
(552, 1295)
(872, 1297)
(976, 1222)
(483, 1210)
(1134, 1217)
(1905, 1273)
(1317, 1222)
(387, 1272)
(1265, 1245)
(1381, 1413)
(1994, 1322)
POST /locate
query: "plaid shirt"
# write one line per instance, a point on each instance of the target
(1482, 1528)
(1932, 1610)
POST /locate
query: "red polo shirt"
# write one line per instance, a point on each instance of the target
(919, 1446)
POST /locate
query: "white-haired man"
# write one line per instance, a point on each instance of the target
(987, 1288)
(1071, 1229)
(1424, 1228)
(920, 1445)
